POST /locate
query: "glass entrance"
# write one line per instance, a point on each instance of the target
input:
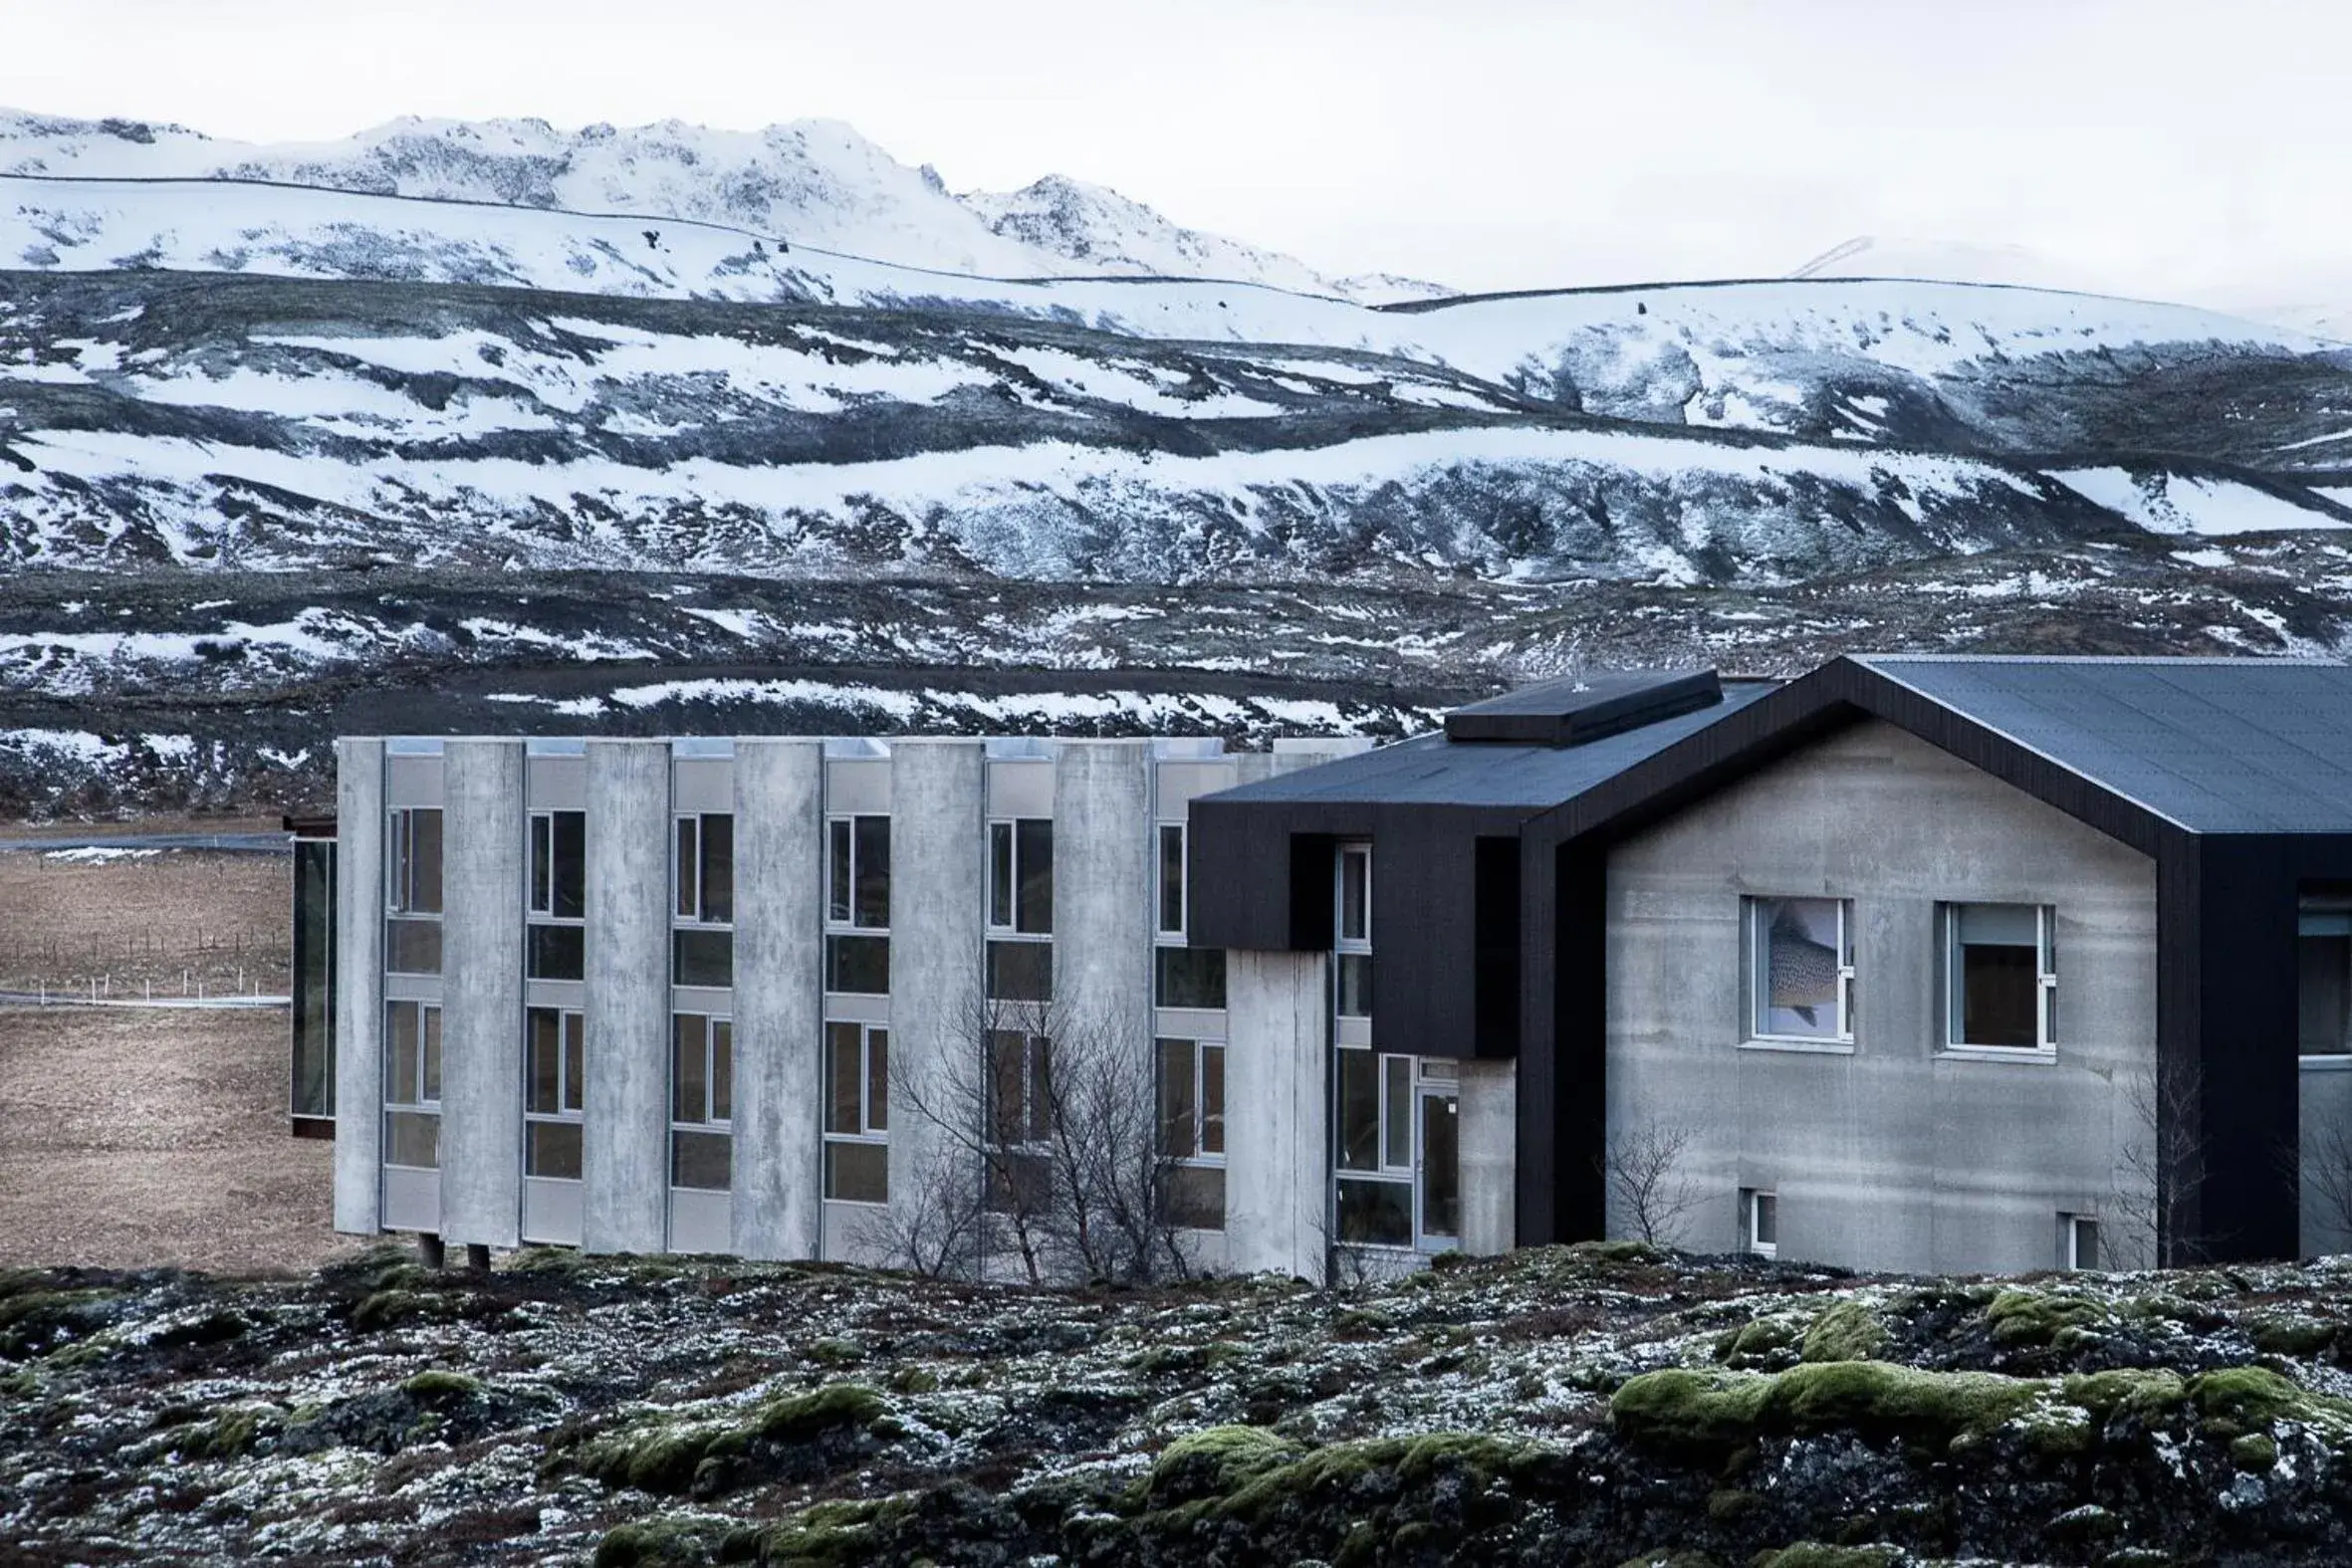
(1438, 1172)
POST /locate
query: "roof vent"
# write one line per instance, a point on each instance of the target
(1573, 711)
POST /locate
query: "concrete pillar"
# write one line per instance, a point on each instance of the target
(358, 983)
(1277, 1131)
(938, 925)
(482, 998)
(779, 997)
(624, 1137)
(1487, 1124)
(1102, 891)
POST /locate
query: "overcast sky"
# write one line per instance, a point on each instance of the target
(2143, 146)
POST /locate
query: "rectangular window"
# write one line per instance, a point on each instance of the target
(412, 891)
(1192, 1132)
(558, 864)
(702, 1094)
(412, 1084)
(1353, 980)
(857, 872)
(1188, 978)
(553, 952)
(857, 1113)
(2323, 975)
(1020, 875)
(554, 1093)
(1354, 912)
(701, 957)
(1021, 971)
(312, 978)
(2079, 1241)
(1376, 1111)
(2000, 967)
(1759, 1221)
(857, 964)
(1172, 889)
(1800, 969)
(705, 868)
(1019, 1116)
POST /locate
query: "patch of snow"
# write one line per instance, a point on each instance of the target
(2167, 503)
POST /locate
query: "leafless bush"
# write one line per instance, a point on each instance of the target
(1647, 1184)
(2161, 1169)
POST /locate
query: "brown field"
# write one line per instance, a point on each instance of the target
(132, 1137)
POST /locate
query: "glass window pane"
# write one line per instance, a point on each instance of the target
(543, 1067)
(1188, 976)
(575, 1061)
(1035, 910)
(396, 859)
(1797, 954)
(555, 952)
(1021, 971)
(689, 1075)
(1194, 1196)
(844, 1076)
(1376, 1213)
(1397, 1149)
(704, 958)
(568, 883)
(722, 1070)
(1355, 985)
(1360, 1110)
(718, 868)
(1212, 1099)
(551, 1149)
(2007, 924)
(412, 1138)
(1000, 873)
(542, 862)
(1040, 1088)
(857, 1173)
(877, 1081)
(1171, 877)
(1005, 1078)
(702, 1160)
(402, 1053)
(1767, 1220)
(2000, 995)
(2086, 1243)
(873, 872)
(837, 870)
(857, 964)
(413, 947)
(312, 1061)
(1356, 886)
(1179, 1131)
(429, 1024)
(2323, 994)
(687, 863)
(424, 850)
(1441, 1167)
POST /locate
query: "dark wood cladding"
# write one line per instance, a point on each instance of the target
(1238, 876)
(1495, 944)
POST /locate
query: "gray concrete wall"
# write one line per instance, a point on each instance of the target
(2325, 1142)
(779, 997)
(938, 923)
(1277, 1113)
(1102, 893)
(1894, 1155)
(1487, 1121)
(482, 1006)
(358, 978)
(624, 1161)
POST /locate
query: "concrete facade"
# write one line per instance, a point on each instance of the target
(1102, 888)
(358, 1002)
(482, 980)
(779, 995)
(1278, 1163)
(1487, 1098)
(1892, 1152)
(625, 1160)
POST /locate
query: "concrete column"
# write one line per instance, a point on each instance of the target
(1277, 1130)
(1102, 891)
(938, 924)
(482, 998)
(1487, 1123)
(779, 997)
(624, 1137)
(358, 980)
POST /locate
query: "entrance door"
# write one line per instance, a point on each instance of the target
(1437, 1172)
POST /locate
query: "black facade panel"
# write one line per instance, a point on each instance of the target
(1573, 712)
(1308, 917)
(1238, 870)
(1580, 1078)
(1538, 1144)
(1495, 946)
(1424, 933)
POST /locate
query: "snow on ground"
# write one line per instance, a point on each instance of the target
(2192, 504)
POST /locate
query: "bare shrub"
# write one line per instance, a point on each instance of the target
(1647, 1184)
(2161, 1169)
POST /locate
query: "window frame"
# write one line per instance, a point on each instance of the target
(846, 823)
(707, 1125)
(1952, 974)
(1755, 949)
(570, 1082)
(1009, 873)
(689, 841)
(869, 1133)
(2071, 1229)
(1177, 887)
(1359, 850)
(430, 1067)
(1754, 1202)
(539, 899)
(401, 910)
(1198, 1054)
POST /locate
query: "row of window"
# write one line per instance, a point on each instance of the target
(2000, 982)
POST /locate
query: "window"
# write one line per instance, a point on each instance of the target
(1375, 1138)
(2079, 1241)
(1020, 1113)
(1188, 978)
(857, 964)
(412, 891)
(2000, 967)
(313, 979)
(554, 1090)
(412, 1084)
(702, 1094)
(1800, 969)
(703, 945)
(1759, 1221)
(1192, 1131)
(1172, 888)
(1353, 980)
(1020, 876)
(1020, 971)
(857, 872)
(1351, 923)
(558, 864)
(857, 1113)
(2323, 975)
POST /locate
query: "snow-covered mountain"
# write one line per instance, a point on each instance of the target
(813, 183)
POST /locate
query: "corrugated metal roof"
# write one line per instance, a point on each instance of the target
(2216, 745)
(1430, 770)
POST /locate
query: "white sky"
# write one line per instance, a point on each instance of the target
(2145, 147)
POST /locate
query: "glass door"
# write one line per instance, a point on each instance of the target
(1437, 1172)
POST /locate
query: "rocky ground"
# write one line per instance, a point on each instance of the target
(1603, 1405)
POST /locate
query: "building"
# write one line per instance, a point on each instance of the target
(1918, 963)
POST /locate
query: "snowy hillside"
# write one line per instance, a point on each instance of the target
(812, 182)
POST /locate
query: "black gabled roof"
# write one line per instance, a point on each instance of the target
(1579, 709)
(1432, 770)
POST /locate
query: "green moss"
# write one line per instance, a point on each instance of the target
(791, 1418)
(832, 1534)
(1812, 1555)
(682, 1456)
(1848, 1331)
(1679, 1409)
(2301, 1337)
(2039, 1318)
(652, 1541)
(914, 1380)
(2150, 1396)
(31, 1320)
(231, 1434)
(2248, 1396)
(836, 1352)
(390, 1308)
(1216, 1462)
(1762, 1341)
(2255, 1452)
(437, 1383)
